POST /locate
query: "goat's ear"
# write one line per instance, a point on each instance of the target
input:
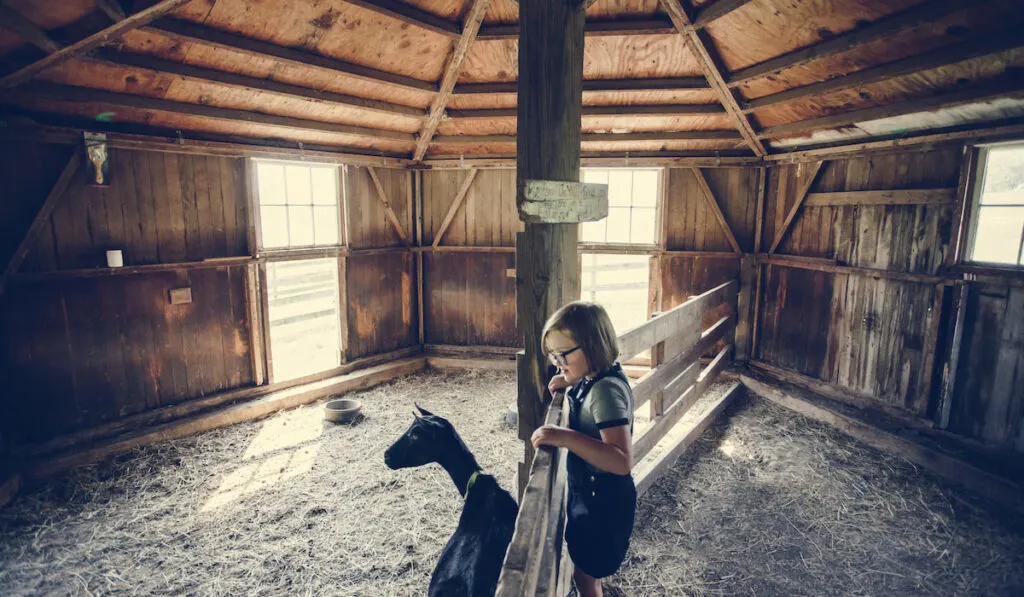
(423, 412)
(415, 416)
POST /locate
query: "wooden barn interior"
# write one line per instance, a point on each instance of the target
(218, 209)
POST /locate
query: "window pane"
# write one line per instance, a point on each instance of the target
(274, 225)
(620, 187)
(325, 223)
(593, 232)
(1004, 176)
(595, 176)
(325, 187)
(299, 192)
(998, 234)
(270, 178)
(620, 284)
(300, 225)
(642, 225)
(304, 317)
(618, 225)
(645, 188)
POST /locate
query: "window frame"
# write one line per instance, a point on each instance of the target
(632, 247)
(257, 214)
(977, 168)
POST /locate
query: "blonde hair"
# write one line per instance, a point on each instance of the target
(590, 327)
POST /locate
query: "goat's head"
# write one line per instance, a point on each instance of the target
(427, 440)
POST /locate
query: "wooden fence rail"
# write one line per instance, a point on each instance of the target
(536, 562)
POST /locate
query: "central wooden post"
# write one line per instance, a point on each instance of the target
(548, 148)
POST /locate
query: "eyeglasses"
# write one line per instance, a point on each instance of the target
(562, 358)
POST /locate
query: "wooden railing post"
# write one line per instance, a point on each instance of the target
(657, 358)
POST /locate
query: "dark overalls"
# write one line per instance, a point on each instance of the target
(601, 505)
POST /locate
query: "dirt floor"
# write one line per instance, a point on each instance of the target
(767, 503)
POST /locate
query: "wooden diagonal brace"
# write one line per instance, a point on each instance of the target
(801, 196)
(709, 198)
(390, 213)
(463, 191)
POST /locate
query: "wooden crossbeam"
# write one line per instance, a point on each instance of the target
(411, 15)
(113, 9)
(390, 213)
(708, 14)
(1008, 86)
(591, 29)
(596, 85)
(638, 110)
(925, 12)
(943, 196)
(800, 197)
(463, 191)
(202, 34)
(709, 198)
(87, 95)
(139, 19)
(43, 216)
(451, 74)
(16, 22)
(897, 68)
(254, 83)
(606, 137)
(713, 70)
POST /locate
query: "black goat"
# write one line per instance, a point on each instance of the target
(471, 561)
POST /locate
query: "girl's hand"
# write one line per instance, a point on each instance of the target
(558, 383)
(549, 435)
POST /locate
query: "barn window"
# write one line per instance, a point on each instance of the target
(998, 233)
(298, 204)
(632, 204)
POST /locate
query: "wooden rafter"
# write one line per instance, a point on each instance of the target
(596, 85)
(67, 93)
(390, 213)
(454, 209)
(411, 15)
(254, 83)
(708, 14)
(800, 197)
(592, 29)
(638, 110)
(710, 64)
(15, 22)
(43, 216)
(606, 137)
(202, 34)
(944, 57)
(451, 74)
(712, 203)
(922, 13)
(139, 19)
(1007, 86)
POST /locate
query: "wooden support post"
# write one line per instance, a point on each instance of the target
(549, 114)
(951, 366)
(657, 358)
(745, 307)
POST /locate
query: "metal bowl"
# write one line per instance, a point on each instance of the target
(344, 410)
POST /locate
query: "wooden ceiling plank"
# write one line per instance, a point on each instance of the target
(800, 197)
(135, 21)
(898, 68)
(470, 28)
(202, 34)
(411, 15)
(713, 70)
(113, 9)
(228, 78)
(1008, 86)
(912, 17)
(638, 110)
(15, 22)
(454, 209)
(712, 203)
(68, 93)
(593, 29)
(708, 14)
(383, 198)
(659, 84)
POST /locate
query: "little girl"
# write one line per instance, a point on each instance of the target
(580, 340)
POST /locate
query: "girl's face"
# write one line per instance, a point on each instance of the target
(567, 355)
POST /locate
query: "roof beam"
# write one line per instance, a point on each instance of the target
(591, 29)
(139, 19)
(451, 74)
(16, 22)
(639, 110)
(713, 70)
(269, 85)
(67, 93)
(912, 17)
(663, 84)
(897, 68)
(708, 14)
(202, 34)
(1010, 85)
(606, 137)
(411, 15)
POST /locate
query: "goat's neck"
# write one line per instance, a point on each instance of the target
(460, 465)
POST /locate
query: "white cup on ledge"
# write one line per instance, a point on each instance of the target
(115, 258)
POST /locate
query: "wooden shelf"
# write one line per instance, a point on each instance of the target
(98, 272)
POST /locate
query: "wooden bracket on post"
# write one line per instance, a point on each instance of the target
(561, 202)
